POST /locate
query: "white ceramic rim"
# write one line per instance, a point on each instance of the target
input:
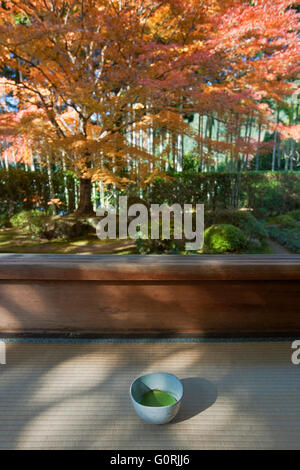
(156, 407)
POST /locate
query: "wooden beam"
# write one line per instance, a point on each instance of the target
(108, 295)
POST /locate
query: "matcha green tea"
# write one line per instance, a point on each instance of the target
(157, 398)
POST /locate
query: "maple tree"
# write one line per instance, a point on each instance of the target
(90, 76)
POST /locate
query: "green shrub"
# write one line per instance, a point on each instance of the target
(4, 221)
(32, 221)
(160, 246)
(284, 221)
(289, 237)
(295, 214)
(224, 238)
(244, 220)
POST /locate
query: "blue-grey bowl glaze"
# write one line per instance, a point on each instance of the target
(156, 381)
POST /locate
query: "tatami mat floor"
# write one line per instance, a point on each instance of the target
(238, 395)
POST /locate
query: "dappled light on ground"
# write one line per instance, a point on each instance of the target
(76, 396)
(17, 241)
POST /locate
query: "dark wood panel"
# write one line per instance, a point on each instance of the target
(198, 307)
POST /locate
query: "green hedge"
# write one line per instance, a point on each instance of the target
(26, 190)
(266, 193)
(283, 221)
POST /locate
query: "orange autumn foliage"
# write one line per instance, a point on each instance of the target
(90, 71)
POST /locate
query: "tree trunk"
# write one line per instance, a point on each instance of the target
(257, 153)
(66, 189)
(51, 187)
(274, 151)
(85, 206)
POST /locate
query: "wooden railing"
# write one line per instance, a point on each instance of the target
(166, 295)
